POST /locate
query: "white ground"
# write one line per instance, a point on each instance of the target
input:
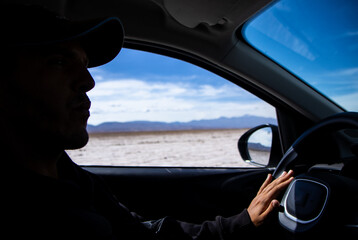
(212, 148)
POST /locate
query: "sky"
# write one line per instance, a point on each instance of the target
(145, 86)
(317, 40)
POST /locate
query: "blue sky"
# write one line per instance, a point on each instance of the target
(144, 86)
(316, 40)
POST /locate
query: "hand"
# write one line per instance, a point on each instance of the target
(264, 202)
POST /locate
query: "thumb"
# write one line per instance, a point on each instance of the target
(274, 204)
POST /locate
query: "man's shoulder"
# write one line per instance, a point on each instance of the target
(72, 170)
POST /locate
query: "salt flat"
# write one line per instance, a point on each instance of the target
(199, 148)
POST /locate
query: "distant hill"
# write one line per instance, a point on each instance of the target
(246, 121)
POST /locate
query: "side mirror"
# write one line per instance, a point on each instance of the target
(260, 146)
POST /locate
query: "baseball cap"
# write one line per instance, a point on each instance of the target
(32, 25)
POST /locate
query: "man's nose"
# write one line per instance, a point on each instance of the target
(85, 81)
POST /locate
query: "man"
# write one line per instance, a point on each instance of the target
(45, 110)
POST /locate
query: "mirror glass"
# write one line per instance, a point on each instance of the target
(259, 146)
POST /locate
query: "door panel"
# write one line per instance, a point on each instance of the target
(188, 194)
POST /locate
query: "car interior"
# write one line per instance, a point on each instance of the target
(314, 136)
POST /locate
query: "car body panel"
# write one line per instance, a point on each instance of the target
(188, 194)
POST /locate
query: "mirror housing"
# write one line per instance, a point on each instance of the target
(272, 153)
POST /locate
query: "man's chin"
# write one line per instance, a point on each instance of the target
(76, 141)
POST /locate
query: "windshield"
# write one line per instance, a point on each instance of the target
(317, 40)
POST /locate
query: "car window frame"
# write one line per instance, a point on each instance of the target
(194, 60)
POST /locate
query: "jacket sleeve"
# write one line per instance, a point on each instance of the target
(235, 227)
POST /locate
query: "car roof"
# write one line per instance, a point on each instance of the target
(169, 22)
(204, 32)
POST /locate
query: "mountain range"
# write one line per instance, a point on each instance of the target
(246, 121)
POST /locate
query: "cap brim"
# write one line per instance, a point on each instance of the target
(102, 41)
(35, 26)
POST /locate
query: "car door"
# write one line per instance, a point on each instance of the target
(187, 194)
(164, 138)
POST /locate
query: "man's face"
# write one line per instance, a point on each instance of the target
(47, 92)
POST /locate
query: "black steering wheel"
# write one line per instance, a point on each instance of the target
(319, 202)
(292, 158)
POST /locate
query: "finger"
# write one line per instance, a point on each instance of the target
(266, 183)
(273, 204)
(278, 188)
(283, 174)
(282, 179)
(284, 184)
(289, 174)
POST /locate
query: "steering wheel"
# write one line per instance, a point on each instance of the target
(345, 120)
(314, 199)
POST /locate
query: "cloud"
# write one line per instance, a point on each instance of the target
(348, 101)
(284, 33)
(264, 137)
(130, 99)
(349, 34)
(344, 72)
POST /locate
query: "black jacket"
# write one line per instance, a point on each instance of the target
(79, 205)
